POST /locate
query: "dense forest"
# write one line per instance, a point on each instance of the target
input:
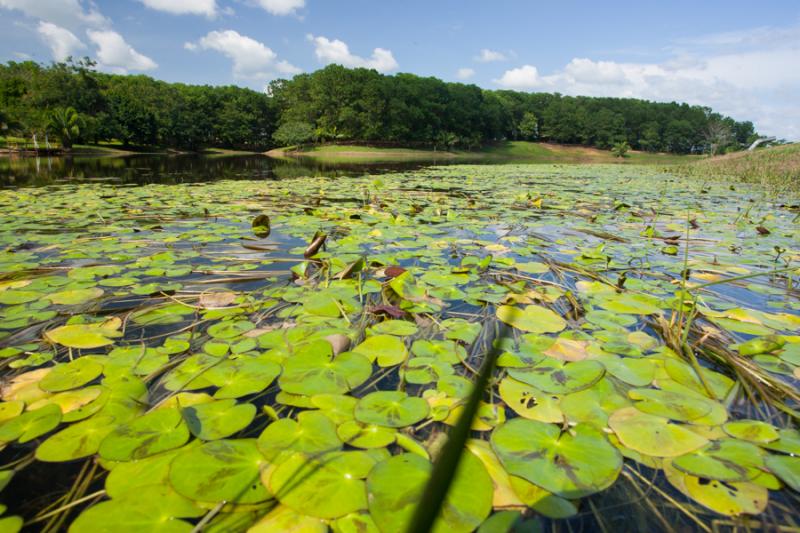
(76, 104)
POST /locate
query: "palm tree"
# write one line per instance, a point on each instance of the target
(66, 123)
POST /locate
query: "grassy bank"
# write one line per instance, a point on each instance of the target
(517, 151)
(777, 168)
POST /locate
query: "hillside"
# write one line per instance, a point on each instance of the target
(776, 167)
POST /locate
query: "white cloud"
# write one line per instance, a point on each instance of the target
(282, 7)
(465, 73)
(746, 75)
(336, 51)
(71, 14)
(61, 41)
(115, 54)
(251, 59)
(524, 77)
(184, 7)
(489, 56)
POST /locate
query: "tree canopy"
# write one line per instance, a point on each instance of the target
(340, 104)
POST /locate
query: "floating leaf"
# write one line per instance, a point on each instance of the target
(653, 435)
(85, 335)
(559, 377)
(222, 470)
(571, 464)
(787, 468)
(31, 424)
(391, 409)
(328, 487)
(76, 296)
(315, 370)
(752, 430)
(312, 433)
(218, 419)
(241, 377)
(78, 440)
(365, 435)
(530, 402)
(725, 460)
(533, 319)
(155, 432)
(387, 349)
(71, 375)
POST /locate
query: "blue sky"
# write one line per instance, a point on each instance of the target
(740, 57)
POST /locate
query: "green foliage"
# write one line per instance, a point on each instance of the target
(341, 104)
(293, 133)
(620, 149)
(66, 123)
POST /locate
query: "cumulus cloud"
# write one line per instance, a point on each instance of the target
(522, 78)
(282, 7)
(251, 59)
(489, 56)
(465, 73)
(71, 14)
(184, 7)
(335, 51)
(114, 54)
(746, 75)
(61, 41)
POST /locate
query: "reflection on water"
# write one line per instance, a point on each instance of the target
(150, 168)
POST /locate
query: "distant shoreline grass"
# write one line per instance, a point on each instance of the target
(776, 168)
(516, 151)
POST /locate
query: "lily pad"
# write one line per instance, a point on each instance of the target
(31, 424)
(312, 433)
(315, 370)
(560, 377)
(222, 470)
(218, 419)
(533, 318)
(391, 409)
(387, 349)
(328, 487)
(71, 375)
(155, 432)
(570, 464)
(85, 335)
(725, 460)
(787, 468)
(78, 440)
(653, 435)
(752, 430)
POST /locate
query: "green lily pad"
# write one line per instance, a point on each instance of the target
(533, 318)
(221, 470)
(387, 349)
(724, 459)
(121, 516)
(241, 377)
(283, 518)
(448, 351)
(787, 468)
(328, 487)
(78, 440)
(593, 405)
(76, 296)
(31, 424)
(630, 304)
(726, 498)
(71, 375)
(365, 435)
(312, 433)
(12, 409)
(85, 335)
(315, 370)
(670, 405)
(218, 419)
(155, 432)
(529, 402)
(560, 377)
(396, 484)
(653, 435)
(391, 409)
(134, 476)
(15, 297)
(752, 430)
(570, 464)
(401, 328)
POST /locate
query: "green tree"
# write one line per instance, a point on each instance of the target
(294, 133)
(529, 126)
(620, 149)
(66, 123)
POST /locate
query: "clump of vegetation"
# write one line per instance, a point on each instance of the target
(620, 149)
(239, 354)
(776, 168)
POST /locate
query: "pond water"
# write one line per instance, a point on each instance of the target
(237, 343)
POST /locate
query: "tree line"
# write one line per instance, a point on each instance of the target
(74, 102)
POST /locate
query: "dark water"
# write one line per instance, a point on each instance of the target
(156, 168)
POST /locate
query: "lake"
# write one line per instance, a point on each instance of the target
(237, 342)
